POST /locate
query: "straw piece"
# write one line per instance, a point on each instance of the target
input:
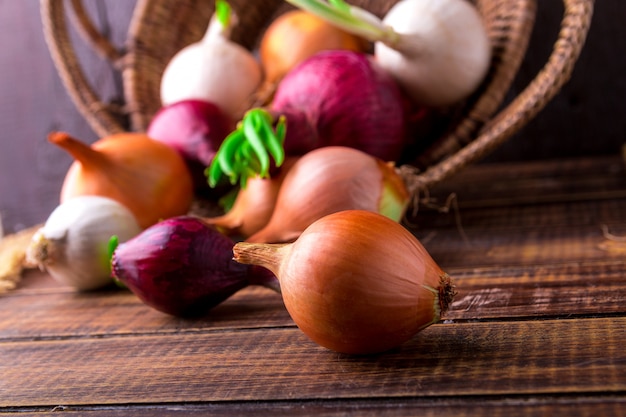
(13, 257)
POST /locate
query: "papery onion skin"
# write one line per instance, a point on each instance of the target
(438, 51)
(331, 179)
(148, 177)
(342, 98)
(295, 36)
(184, 267)
(443, 52)
(254, 204)
(356, 282)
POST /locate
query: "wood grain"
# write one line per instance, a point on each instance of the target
(520, 357)
(608, 405)
(558, 180)
(65, 314)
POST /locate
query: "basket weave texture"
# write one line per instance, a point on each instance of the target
(160, 28)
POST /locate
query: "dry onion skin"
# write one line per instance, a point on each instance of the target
(254, 204)
(331, 179)
(148, 177)
(295, 36)
(356, 282)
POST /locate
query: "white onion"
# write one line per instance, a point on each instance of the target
(442, 53)
(438, 50)
(214, 69)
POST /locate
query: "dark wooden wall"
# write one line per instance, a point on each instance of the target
(585, 119)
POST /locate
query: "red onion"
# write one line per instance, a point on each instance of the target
(196, 129)
(342, 98)
(339, 98)
(184, 267)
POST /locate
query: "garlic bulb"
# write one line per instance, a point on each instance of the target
(73, 244)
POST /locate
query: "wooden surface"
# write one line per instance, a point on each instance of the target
(538, 326)
(586, 118)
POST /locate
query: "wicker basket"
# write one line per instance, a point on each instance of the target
(157, 32)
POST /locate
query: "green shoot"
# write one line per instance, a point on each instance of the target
(112, 244)
(340, 5)
(223, 13)
(349, 18)
(246, 152)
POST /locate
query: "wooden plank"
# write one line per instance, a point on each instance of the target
(118, 312)
(562, 226)
(532, 182)
(540, 246)
(596, 288)
(507, 358)
(544, 243)
(424, 407)
(595, 213)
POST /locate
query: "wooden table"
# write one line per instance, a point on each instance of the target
(538, 326)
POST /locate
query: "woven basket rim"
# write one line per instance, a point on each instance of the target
(485, 125)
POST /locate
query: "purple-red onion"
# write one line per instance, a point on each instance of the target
(196, 129)
(184, 267)
(342, 98)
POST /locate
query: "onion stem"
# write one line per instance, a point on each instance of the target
(221, 23)
(112, 244)
(350, 18)
(223, 12)
(245, 152)
(444, 294)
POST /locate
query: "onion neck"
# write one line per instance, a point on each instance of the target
(81, 152)
(411, 46)
(221, 23)
(267, 255)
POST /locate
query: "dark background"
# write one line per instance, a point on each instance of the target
(585, 119)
